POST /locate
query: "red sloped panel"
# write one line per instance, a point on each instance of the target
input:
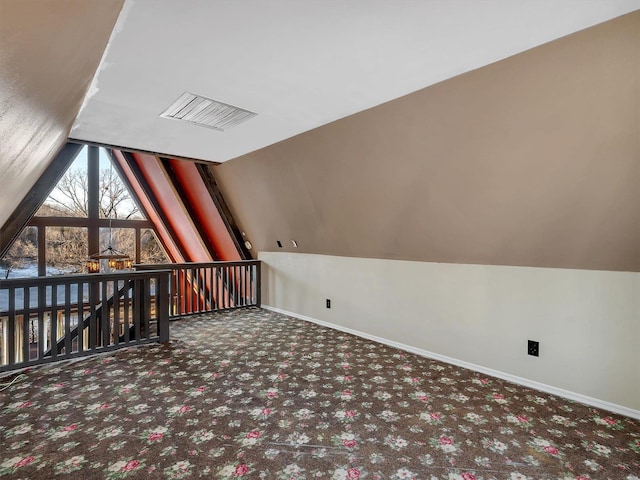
(203, 207)
(172, 208)
(165, 238)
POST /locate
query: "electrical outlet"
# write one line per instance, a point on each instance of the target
(533, 348)
(328, 303)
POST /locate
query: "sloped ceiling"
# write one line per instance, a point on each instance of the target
(534, 160)
(299, 64)
(49, 51)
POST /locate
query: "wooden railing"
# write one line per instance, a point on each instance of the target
(208, 287)
(45, 319)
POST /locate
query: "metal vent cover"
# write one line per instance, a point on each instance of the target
(206, 112)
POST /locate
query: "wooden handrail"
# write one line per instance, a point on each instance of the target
(74, 278)
(181, 266)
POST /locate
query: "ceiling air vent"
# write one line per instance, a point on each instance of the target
(206, 112)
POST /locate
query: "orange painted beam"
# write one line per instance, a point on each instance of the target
(172, 208)
(207, 215)
(165, 238)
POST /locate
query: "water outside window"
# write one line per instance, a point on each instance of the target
(22, 258)
(66, 249)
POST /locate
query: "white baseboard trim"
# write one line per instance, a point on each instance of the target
(577, 397)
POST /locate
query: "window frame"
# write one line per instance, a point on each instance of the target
(93, 222)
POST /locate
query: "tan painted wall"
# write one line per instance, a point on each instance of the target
(49, 51)
(586, 321)
(534, 161)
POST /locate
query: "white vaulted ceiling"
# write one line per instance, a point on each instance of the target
(298, 64)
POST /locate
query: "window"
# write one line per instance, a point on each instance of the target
(150, 249)
(114, 199)
(66, 249)
(22, 258)
(77, 221)
(69, 198)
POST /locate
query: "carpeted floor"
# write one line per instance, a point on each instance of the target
(253, 394)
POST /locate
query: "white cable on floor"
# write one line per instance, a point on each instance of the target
(4, 386)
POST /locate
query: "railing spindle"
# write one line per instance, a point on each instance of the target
(12, 326)
(258, 285)
(103, 317)
(93, 321)
(67, 318)
(217, 290)
(201, 291)
(41, 300)
(82, 326)
(162, 306)
(53, 322)
(26, 303)
(227, 283)
(212, 292)
(147, 306)
(138, 304)
(243, 289)
(116, 312)
(125, 319)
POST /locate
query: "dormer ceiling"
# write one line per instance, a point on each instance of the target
(298, 64)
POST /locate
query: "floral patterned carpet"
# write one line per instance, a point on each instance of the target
(253, 394)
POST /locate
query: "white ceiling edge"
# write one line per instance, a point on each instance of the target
(299, 64)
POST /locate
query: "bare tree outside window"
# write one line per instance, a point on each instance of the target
(150, 249)
(66, 249)
(70, 199)
(66, 243)
(22, 256)
(115, 199)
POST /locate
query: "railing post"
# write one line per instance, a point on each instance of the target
(26, 308)
(163, 306)
(12, 326)
(53, 322)
(94, 325)
(258, 285)
(147, 306)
